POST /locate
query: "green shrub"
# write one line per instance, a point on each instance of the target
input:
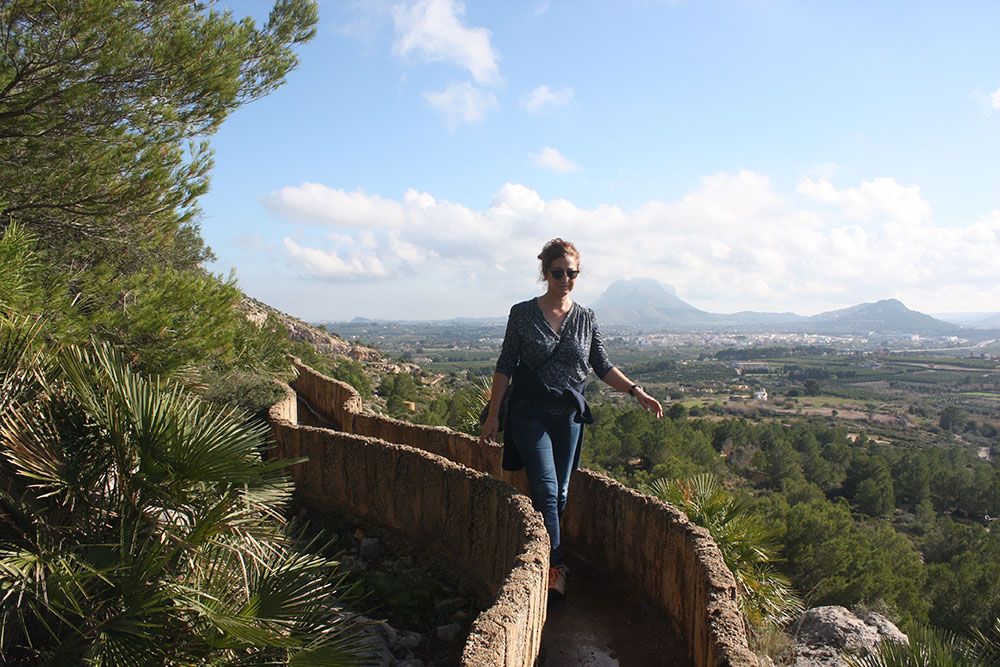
(141, 526)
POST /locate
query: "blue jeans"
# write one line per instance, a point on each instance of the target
(547, 444)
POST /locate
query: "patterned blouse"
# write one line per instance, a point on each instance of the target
(531, 340)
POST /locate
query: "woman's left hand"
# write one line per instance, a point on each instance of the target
(649, 403)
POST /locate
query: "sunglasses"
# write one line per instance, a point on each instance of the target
(558, 273)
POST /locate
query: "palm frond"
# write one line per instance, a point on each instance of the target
(749, 545)
(987, 644)
(927, 646)
(140, 525)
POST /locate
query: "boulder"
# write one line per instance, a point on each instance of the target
(824, 636)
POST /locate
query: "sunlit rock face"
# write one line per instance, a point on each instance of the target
(826, 636)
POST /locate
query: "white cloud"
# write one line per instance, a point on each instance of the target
(551, 158)
(433, 31)
(882, 198)
(733, 242)
(987, 101)
(330, 265)
(462, 103)
(543, 96)
(312, 202)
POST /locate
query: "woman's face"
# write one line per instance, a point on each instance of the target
(563, 265)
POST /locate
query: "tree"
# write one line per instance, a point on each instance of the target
(842, 562)
(103, 106)
(779, 461)
(912, 478)
(140, 525)
(951, 418)
(874, 499)
(677, 411)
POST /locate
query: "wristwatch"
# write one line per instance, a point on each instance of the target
(631, 390)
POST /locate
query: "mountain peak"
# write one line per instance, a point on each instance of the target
(886, 315)
(644, 302)
(634, 285)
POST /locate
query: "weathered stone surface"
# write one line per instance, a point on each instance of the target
(387, 646)
(824, 636)
(376, 645)
(886, 628)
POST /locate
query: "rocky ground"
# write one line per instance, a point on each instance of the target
(419, 610)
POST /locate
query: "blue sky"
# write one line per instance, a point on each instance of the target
(764, 155)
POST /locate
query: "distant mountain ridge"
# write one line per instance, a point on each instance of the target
(650, 304)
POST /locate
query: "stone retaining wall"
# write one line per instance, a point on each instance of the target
(673, 562)
(480, 523)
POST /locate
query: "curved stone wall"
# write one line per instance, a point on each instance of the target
(464, 515)
(674, 562)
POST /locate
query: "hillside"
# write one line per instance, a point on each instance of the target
(324, 342)
(887, 316)
(648, 303)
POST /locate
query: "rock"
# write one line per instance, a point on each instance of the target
(370, 548)
(447, 605)
(886, 628)
(410, 640)
(459, 616)
(837, 628)
(824, 636)
(352, 564)
(405, 562)
(386, 645)
(388, 633)
(375, 648)
(449, 633)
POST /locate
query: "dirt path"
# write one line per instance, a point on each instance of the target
(601, 624)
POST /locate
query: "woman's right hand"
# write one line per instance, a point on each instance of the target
(490, 428)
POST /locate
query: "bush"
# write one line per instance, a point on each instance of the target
(141, 525)
(252, 392)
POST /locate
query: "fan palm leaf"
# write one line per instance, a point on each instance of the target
(748, 544)
(987, 644)
(139, 525)
(926, 646)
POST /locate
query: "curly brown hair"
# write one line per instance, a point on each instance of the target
(555, 249)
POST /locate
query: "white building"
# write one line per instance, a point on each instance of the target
(760, 394)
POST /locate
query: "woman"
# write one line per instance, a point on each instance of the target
(550, 345)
